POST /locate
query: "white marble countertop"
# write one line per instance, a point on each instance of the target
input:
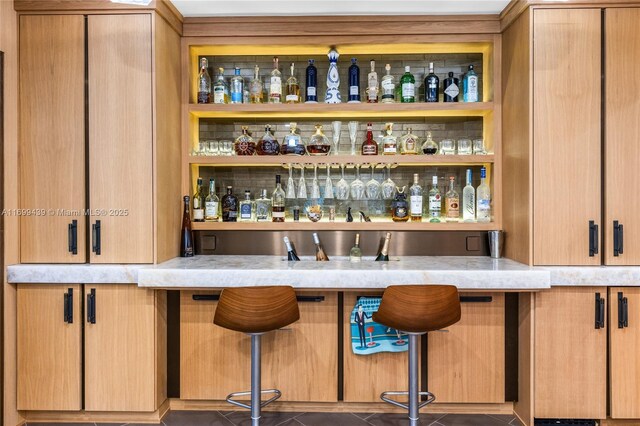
(74, 274)
(618, 276)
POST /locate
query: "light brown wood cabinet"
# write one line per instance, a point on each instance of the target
(215, 362)
(124, 348)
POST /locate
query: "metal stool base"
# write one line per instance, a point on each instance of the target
(430, 398)
(230, 397)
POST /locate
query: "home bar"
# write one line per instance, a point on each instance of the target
(292, 213)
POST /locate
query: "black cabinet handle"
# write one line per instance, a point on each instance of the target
(476, 299)
(313, 299)
(73, 237)
(599, 311)
(69, 307)
(618, 238)
(593, 238)
(66, 307)
(205, 297)
(91, 306)
(95, 231)
(623, 311)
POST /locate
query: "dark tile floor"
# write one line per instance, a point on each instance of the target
(242, 418)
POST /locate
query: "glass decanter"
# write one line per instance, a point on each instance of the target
(318, 144)
(389, 142)
(429, 146)
(292, 143)
(268, 145)
(244, 144)
(409, 143)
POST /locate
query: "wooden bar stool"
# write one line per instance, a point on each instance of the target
(416, 310)
(255, 311)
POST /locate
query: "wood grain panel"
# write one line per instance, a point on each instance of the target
(466, 360)
(120, 357)
(121, 136)
(52, 140)
(49, 349)
(624, 346)
(566, 120)
(622, 143)
(570, 355)
(523, 408)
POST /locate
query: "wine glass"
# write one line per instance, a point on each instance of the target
(357, 186)
(291, 188)
(388, 187)
(336, 126)
(315, 188)
(353, 134)
(328, 185)
(302, 185)
(372, 187)
(342, 187)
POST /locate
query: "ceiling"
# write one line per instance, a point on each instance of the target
(331, 7)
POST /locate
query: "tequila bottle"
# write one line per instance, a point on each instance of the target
(333, 79)
(429, 146)
(431, 86)
(468, 200)
(311, 82)
(388, 86)
(246, 207)
(198, 205)
(435, 201)
(275, 89)
(452, 202)
(220, 89)
(354, 81)
(372, 84)
(416, 199)
(470, 85)
(237, 87)
(451, 88)
(255, 87)
(389, 142)
(409, 143)
(204, 83)
(483, 195)
(229, 206)
(263, 207)
(277, 202)
(408, 85)
(211, 204)
(293, 88)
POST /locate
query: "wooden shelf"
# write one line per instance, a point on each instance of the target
(341, 226)
(286, 160)
(343, 110)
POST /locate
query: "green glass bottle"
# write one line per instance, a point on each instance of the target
(408, 84)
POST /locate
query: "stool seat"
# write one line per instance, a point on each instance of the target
(255, 310)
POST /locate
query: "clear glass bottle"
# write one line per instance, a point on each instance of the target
(416, 199)
(293, 88)
(311, 88)
(389, 142)
(197, 203)
(318, 143)
(369, 146)
(469, 200)
(372, 84)
(220, 89)
(451, 88)
(429, 146)
(211, 204)
(244, 144)
(435, 201)
(263, 207)
(409, 143)
(275, 88)
(292, 143)
(354, 81)
(204, 83)
(246, 207)
(268, 145)
(237, 87)
(483, 197)
(277, 202)
(388, 86)
(431, 86)
(255, 87)
(399, 206)
(452, 202)
(408, 85)
(470, 86)
(355, 254)
(229, 206)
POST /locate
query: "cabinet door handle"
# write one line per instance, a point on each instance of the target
(73, 237)
(95, 231)
(311, 299)
(618, 238)
(593, 238)
(66, 307)
(91, 306)
(70, 306)
(599, 311)
(623, 311)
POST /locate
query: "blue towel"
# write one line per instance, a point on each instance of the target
(369, 337)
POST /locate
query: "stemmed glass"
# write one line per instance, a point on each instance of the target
(291, 188)
(342, 187)
(372, 187)
(328, 185)
(336, 126)
(357, 186)
(353, 133)
(302, 185)
(388, 187)
(315, 188)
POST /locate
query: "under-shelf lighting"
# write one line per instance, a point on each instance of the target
(133, 2)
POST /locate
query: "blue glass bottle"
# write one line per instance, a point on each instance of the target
(354, 81)
(470, 86)
(311, 83)
(237, 87)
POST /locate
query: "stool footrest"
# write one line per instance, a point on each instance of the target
(230, 397)
(384, 397)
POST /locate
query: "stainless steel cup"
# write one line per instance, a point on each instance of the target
(496, 243)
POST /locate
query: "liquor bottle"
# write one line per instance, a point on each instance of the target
(355, 254)
(408, 84)
(429, 147)
(383, 256)
(277, 202)
(399, 206)
(452, 202)
(292, 256)
(431, 86)
(333, 79)
(416, 199)
(372, 84)
(451, 88)
(198, 205)
(237, 87)
(470, 84)
(318, 143)
(263, 207)
(388, 86)
(468, 200)
(246, 207)
(256, 87)
(244, 144)
(229, 206)
(321, 256)
(389, 142)
(292, 143)
(409, 143)
(293, 88)
(354, 81)
(483, 196)
(204, 83)
(369, 146)
(268, 145)
(211, 204)
(311, 83)
(275, 89)
(435, 201)
(220, 89)
(186, 236)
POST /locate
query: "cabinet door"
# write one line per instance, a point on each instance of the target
(624, 342)
(120, 138)
(215, 362)
(120, 351)
(570, 354)
(622, 137)
(566, 134)
(52, 140)
(466, 360)
(49, 351)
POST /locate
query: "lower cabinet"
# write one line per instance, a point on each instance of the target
(300, 360)
(124, 347)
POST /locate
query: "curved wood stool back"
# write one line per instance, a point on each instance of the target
(419, 308)
(257, 309)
